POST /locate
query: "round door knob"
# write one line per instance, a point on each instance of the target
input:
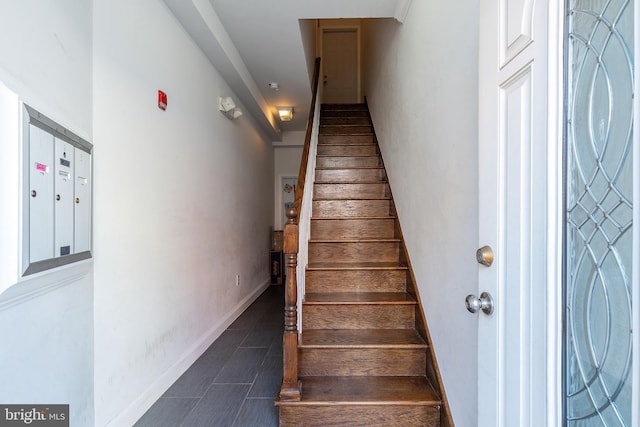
(475, 304)
(484, 256)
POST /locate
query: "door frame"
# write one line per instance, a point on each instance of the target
(342, 24)
(556, 27)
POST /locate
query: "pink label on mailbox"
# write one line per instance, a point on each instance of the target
(42, 168)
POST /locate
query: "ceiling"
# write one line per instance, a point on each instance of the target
(255, 42)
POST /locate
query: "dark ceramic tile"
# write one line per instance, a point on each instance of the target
(197, 379)
(243, 366)
(246, 321)
(259, 338)
(167, 412)
(219, 407)
(248, 354)
(271, 319)
(257, 413)
(227, 343)
(275, 349)
(269, 379)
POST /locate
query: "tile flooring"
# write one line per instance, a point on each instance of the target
(234, 383)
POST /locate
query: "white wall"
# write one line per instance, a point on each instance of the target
(308, 33)
(421, 84)
(181, 206)
(286, 159)
(46, 320)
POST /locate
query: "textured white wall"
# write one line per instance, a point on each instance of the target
(46, 320)
(183, 203)
(421, 84)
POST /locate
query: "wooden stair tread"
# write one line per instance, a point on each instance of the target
(360, 338)
(347, 155)
(350, 168)
(347, 144)
(322, 199)
(393, 240)
(346, 125)
(367, 391)
(382, 181)
(350, 298)
(349, 218)
(334, 107)
(357, 266)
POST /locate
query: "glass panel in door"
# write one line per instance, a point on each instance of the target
(599, 210)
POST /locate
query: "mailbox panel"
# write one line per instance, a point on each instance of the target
(57, 193)
(40, 194)
(64, 177)
(82, 201)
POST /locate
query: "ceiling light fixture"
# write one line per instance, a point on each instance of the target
(285, 113)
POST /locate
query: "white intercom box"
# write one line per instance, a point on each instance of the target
(57, 196)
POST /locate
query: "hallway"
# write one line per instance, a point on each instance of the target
(235, 382)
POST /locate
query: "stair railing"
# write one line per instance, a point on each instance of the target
(296, 230)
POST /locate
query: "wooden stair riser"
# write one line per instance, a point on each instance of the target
(352, 121)
(345, 130)
(356, 280)
(348, 162)
(362, 362)
(358, 316)
(342, 107)
(369, 415)
(364, 142)
(350, 208)
(373, 190)
(367, 228)
(341, 252)
(344, 113)
(350, 175)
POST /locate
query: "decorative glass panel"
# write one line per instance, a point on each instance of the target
(598, 344)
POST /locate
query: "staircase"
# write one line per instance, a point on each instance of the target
(363, 357)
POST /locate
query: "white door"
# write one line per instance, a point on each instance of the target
(340, 65)
(516, 197)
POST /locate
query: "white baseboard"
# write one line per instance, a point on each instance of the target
(139, 406)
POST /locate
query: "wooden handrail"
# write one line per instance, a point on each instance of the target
(302, 174)
(291, 385)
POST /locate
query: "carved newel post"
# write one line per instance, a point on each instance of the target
(291, 385)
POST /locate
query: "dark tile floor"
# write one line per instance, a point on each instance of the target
(234, 383)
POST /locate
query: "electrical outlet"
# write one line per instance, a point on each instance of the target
(237, 280)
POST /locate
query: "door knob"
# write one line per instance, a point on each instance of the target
(484, 303)
(484, 256)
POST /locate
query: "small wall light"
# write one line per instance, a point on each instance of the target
(285, 113)
(228, 107)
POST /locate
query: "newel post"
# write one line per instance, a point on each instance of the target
(291, 385)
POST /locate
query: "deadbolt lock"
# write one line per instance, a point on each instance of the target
(484, 256)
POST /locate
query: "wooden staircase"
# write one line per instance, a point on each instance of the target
(363, 358)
